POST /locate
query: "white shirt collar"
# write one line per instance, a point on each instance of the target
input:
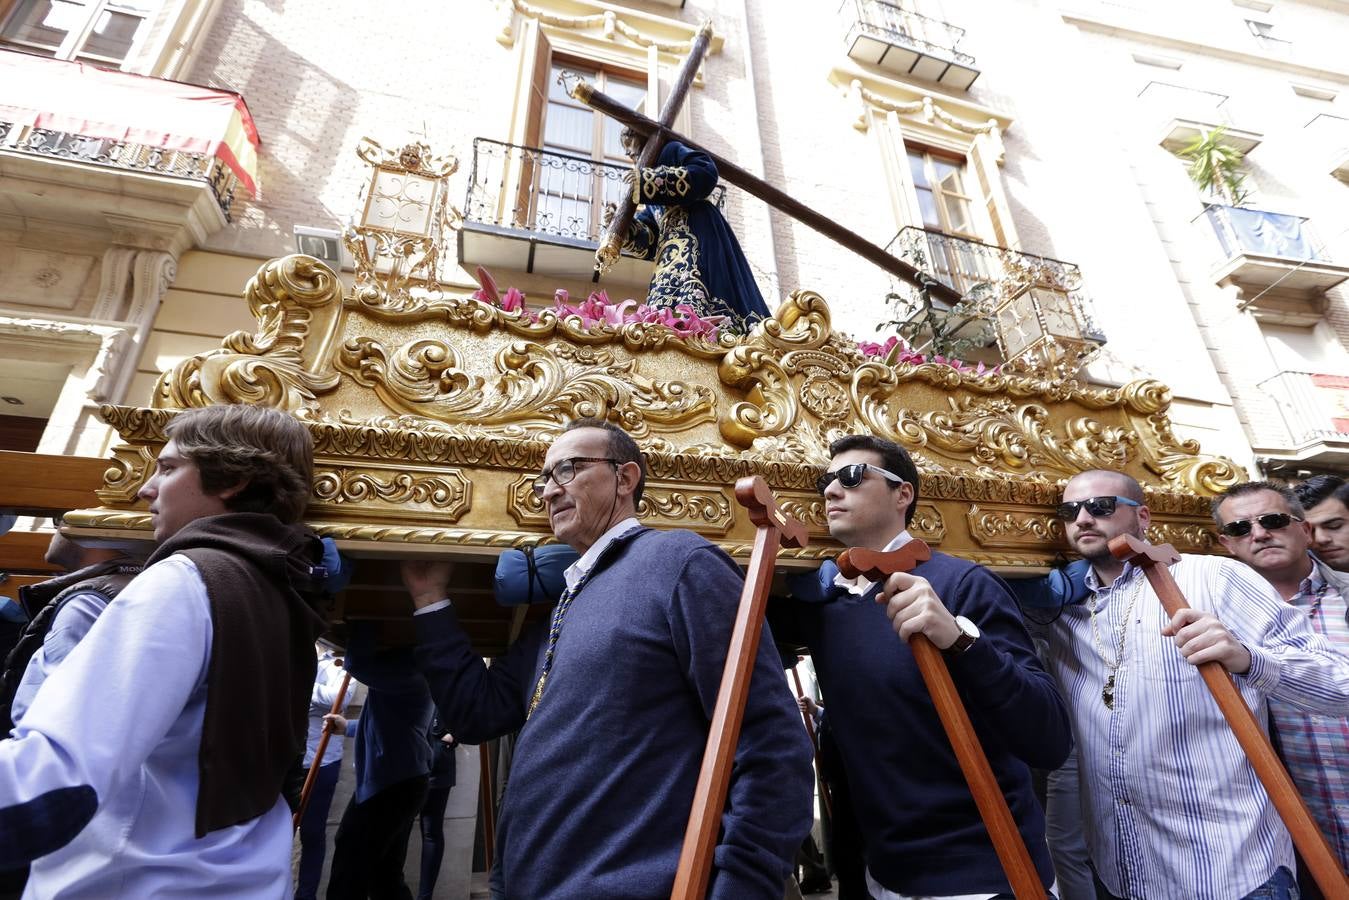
(860, 585)
(579, 569)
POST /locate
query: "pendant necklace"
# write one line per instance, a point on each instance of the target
(1113, 666)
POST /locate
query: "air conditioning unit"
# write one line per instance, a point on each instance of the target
(321, 243)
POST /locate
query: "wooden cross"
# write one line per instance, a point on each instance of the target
(1011, 849)
(775, 528)
(584, 92)
(1307, 837)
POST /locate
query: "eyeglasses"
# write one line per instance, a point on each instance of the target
(1269, 522)
(565, 471)
(851, 476)
(1097, 507)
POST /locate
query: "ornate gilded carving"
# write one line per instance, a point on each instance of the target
(267, 367)
(534, 385)
(708, 511)
(928, 524)
(1014, 528)
(129, 469)
(448, 492)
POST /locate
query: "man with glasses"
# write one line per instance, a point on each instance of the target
(1172, 807)
(922, 832)
(613, 700)
(1263, 525)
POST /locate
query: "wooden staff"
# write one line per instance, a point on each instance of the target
(1011, 849)
(814, 746)
(611, 244)
(1307, 837)
(709, 798)
(318, 753)
(487, 791)
(779, 200)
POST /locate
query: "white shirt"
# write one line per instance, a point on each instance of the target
(327, 682)
(123, 714)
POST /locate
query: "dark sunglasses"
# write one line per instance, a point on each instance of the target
(1097, 507)
(1269, 522)
(851, 476)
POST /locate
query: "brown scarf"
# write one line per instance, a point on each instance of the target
(261, 580)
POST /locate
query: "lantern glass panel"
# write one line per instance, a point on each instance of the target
(400, 203)
(1056, 311)
(1019, 325)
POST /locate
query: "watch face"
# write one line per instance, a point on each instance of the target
(967, 627)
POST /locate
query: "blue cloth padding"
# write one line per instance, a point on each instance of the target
(11, 612)
(339, 568)
(815, 587)
(7, 522)
(1066, 586)
(533, 575)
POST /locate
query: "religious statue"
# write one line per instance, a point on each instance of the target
(698, 260)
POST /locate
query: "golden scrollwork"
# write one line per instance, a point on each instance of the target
(928, 523)
(662, 505)
(534, 385)
(1187, 537)
(269, 366)
(448, 492)
(128, 470)
(1013, 528)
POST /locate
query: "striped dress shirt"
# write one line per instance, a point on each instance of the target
(1171, 805)
(1315, 747)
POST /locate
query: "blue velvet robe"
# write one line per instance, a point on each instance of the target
(698, 259)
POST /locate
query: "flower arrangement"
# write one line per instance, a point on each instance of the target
(598, 309)
(896, 351)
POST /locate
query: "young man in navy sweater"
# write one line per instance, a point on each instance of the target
(922, 832)
(613, 701)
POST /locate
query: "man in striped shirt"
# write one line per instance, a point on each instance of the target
(1264, 526)
(1171, 804)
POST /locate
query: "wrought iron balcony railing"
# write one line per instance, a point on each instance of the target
(113, 154)
(900, 25)
(541, 192)
(983, 273)
(1315, 406)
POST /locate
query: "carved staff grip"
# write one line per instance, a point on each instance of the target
(318, 753)
(714, 778)
(1011, 849)
(1307, 837)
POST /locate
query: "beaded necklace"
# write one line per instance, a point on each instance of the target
(1113, 667)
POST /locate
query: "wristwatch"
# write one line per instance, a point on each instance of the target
(969, 633)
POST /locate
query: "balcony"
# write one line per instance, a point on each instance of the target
(1315, 409)
(898, 39)
(531, 210)
(1273, 253)
(1186, 114)
(90, 147)
(1021, 298)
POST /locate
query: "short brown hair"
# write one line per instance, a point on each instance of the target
(894, 459)
(267, 448)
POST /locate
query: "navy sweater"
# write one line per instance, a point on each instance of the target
(923, 832)
(603, 775)
(390, 735)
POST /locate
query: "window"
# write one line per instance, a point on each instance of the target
(94, 31)
(1265, 36)
(942, 196)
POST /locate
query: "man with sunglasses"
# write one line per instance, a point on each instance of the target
(922, 832)
(1171, 805)
(1263, 525)
(613, 699)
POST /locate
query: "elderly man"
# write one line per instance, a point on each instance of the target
(613, 701)
(1172, 806)
(151, 762)
(921, 830)
(1262, 524)
(1326, 501)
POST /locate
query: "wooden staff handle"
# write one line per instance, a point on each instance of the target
(1307, 837)
(815, 748)
(988, 798)
(714, 778)
(318, 753)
